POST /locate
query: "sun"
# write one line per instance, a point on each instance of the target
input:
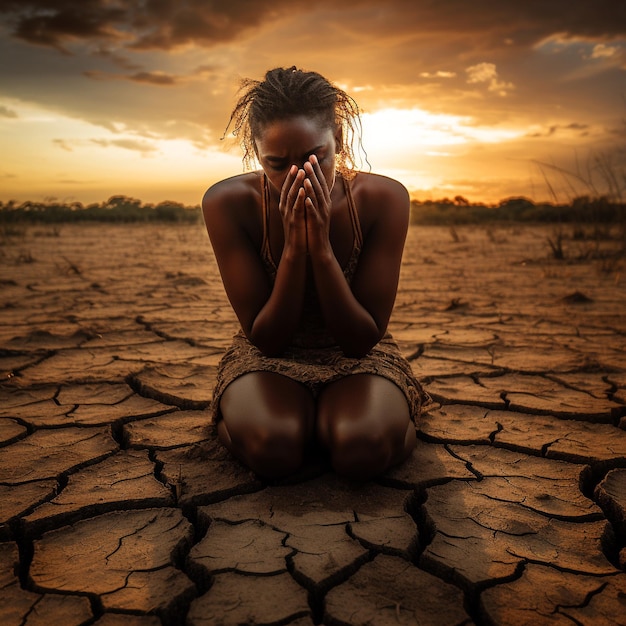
(411, 144)
(389, 130)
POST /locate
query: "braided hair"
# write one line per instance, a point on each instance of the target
(285, 93)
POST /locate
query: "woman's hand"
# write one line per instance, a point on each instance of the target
(292, 211)
(317, 205)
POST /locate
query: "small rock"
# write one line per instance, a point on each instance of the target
(576, 297)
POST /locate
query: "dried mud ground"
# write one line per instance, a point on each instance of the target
(117, 507)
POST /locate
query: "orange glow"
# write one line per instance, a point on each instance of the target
(461, 102)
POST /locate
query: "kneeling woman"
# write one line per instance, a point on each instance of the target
(309, 251)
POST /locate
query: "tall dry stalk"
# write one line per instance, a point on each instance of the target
(598, 182)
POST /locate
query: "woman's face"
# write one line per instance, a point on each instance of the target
(292, 141)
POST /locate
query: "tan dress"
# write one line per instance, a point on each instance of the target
(313, 358)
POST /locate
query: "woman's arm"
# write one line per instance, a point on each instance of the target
(268, 314)
(357, 315)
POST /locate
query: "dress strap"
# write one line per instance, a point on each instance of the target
(266, 251)
(354, 215)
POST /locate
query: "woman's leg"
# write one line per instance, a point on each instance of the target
(267, 421)
(364, 422)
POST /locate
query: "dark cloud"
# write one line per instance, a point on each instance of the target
(138, 24)
(6, 112)
(64, 145)
(512, 24)
(580, 129)
(159, 79)
(137, 145)
(53, 23)
(128, 144)
(97, 75)
(621, 131)
(154, 78)
(166, 24)
(576, 126)
(117, 59)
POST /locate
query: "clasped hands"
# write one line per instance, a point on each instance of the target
(305, 208)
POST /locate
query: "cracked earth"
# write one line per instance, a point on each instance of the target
(117, 507)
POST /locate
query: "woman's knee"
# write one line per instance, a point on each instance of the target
(266, 426)
(279, 438)
(271, 449)
(364, 450)
(365, 424)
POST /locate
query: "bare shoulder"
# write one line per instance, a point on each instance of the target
(378, 198)
(231, 192)
(232, 205)
(379, 184)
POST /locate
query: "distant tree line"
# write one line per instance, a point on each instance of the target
(119, 209)
(582, 209)
(123, 209)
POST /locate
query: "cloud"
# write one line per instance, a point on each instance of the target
(581, 130)
(63, 144)
(607, 55)
(602, 51)
(597, 56)
(437, 74)
(138, 145)
(160, 79)
(115, 57)
(97, 75)
(575, 126)
(137, 24)
(168, 24)
(6, 112)
(128, 144)
(154, 78)
(487, 73)
(53, 23)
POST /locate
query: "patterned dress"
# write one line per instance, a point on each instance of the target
(313, 358)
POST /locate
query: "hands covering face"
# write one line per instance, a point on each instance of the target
(305, 208)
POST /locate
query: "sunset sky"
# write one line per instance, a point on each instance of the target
(105, 97)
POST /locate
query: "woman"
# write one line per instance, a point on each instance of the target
(309, 252)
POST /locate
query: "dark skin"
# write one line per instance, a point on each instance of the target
(268, 420)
